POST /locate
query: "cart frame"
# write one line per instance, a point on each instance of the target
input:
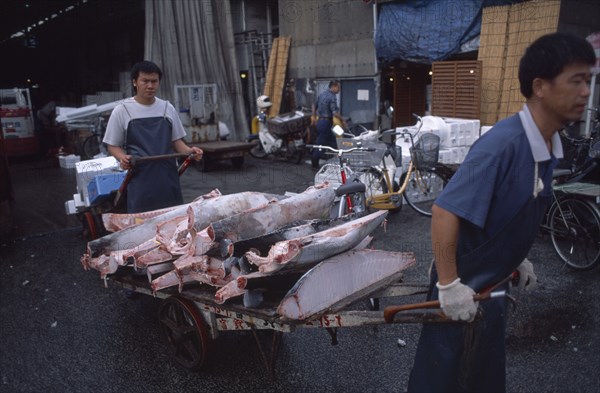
(192, 318)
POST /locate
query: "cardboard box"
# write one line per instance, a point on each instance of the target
(103, 185)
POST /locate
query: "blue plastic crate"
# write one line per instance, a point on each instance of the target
(103, 185)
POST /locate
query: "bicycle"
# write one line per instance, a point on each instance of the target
(419, 185)
(573, 218)
(92, 145)
(351, 190)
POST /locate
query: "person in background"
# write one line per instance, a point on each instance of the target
(259, 121)
(485, 221)
(145, 125)
(325, 110)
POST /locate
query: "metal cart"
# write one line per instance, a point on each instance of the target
(190, 319)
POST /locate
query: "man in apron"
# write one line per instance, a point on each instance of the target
(144, 125)
(486, 219)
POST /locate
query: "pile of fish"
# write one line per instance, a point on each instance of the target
(249, 243)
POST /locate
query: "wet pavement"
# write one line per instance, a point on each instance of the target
(62, 331)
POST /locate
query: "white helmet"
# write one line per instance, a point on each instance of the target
(263, 102)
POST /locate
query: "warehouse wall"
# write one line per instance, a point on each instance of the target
(330, 38)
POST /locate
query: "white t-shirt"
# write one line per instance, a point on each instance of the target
(130, 109)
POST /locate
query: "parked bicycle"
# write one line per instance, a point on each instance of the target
(422, 181)
(92, 145)
(351, 190)
(573, 219)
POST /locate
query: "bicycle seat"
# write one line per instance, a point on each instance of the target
(560, 172)
(350, 188)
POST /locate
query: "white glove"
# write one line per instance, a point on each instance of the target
(457, 301)
(527, 278)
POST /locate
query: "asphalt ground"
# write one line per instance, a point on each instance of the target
(62, 331)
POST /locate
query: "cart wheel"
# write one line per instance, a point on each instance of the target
(185, 331)
(90, 231)
(237, 162)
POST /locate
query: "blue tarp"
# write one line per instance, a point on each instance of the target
(424, 31)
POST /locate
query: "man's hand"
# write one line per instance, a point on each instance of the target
(197, 152)
(125, 161)
(457, 301)
(527, 278)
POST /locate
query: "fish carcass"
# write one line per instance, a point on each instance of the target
(318, 246)
(301, 254)
(107, 253)
(313, 203)
(310, 204)
(340, 280)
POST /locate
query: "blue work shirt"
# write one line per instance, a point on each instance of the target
(497, 176)
(327, 104)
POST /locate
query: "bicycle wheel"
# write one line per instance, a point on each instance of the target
(422, 189)
(575, 232)
(375, 184)
(91, 146)
(293, 154)
(258, 151)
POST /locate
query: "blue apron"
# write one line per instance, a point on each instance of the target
(155, 184)
(471, 357)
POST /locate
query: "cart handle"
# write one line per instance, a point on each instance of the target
(487, 293)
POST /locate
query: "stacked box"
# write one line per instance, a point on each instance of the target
(103, 185)
(69, 161)
(87, 170)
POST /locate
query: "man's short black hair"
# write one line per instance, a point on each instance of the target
(146, 67)
(547, 56)
(334, 82)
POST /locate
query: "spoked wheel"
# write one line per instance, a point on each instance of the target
(258, 151)
(575, 232)
(294, 155)
(375, 183)
(185, 331)
(422, 189)
(91, 146)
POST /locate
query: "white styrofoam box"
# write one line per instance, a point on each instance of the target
(461, 136)
(484, 129)
(445, 156)
(87, 170)
(438, 126)
(453, 132)
(78, 201)
(70, 207)
(463, 153)
(455, 155)
(470, 127)
(476, 126)
(68, 161)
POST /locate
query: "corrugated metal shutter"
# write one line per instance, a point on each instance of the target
(456, 89)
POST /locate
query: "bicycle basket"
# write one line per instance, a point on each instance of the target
(358, 160)
(425, 153)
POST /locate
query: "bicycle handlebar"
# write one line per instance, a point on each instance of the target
(342, 151)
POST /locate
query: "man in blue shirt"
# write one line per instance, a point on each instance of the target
(486, 219)
(326, 108)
